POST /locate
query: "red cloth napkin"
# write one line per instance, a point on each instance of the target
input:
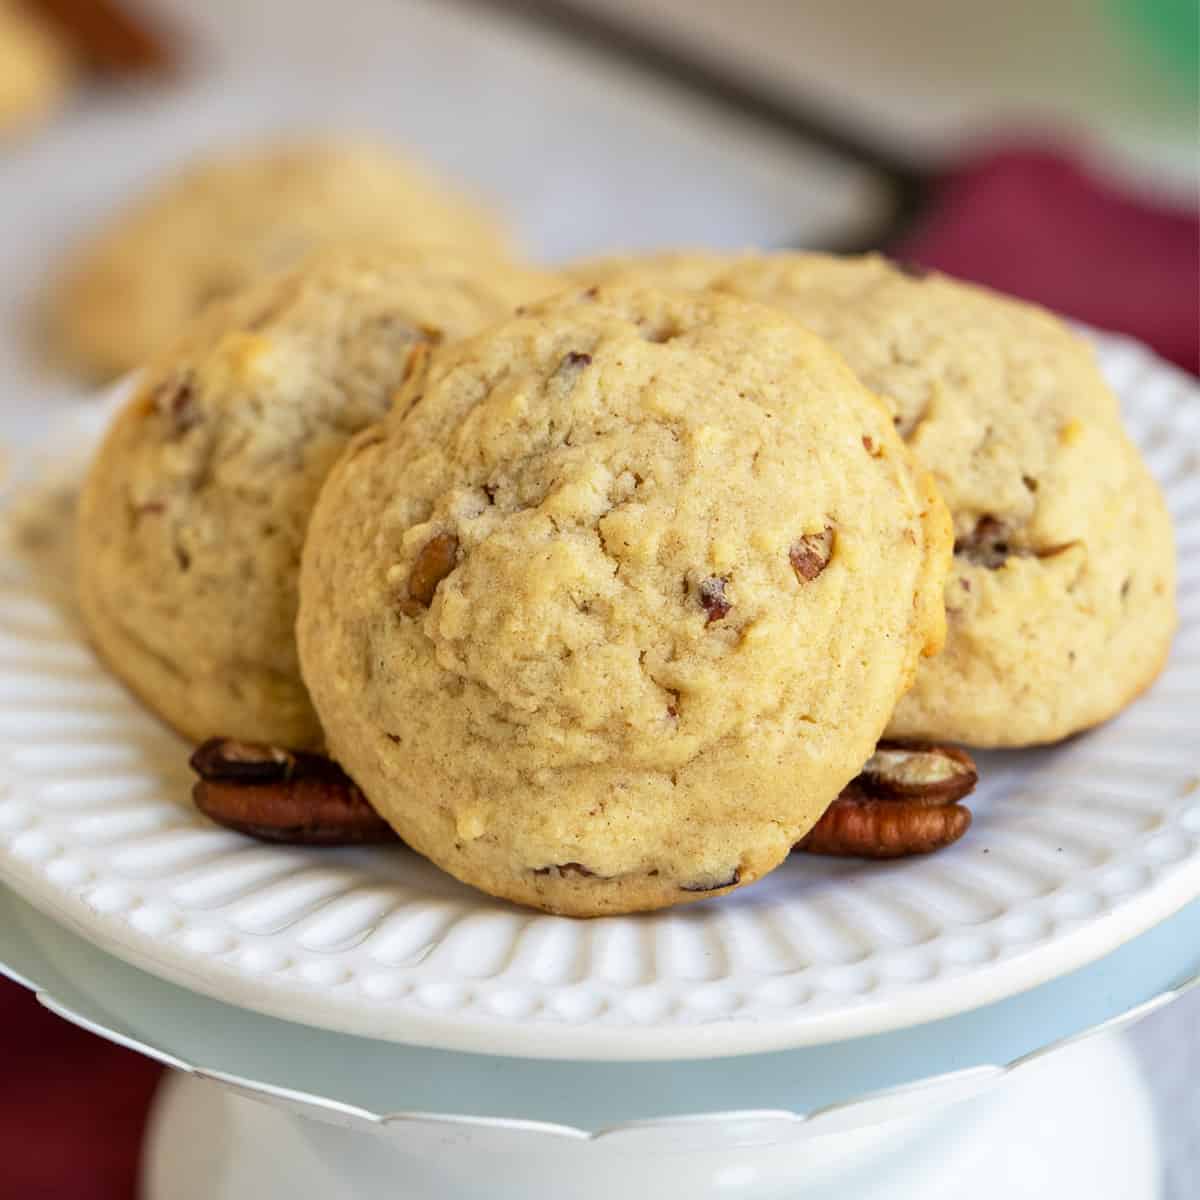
(73, 1108)
(1041, 226)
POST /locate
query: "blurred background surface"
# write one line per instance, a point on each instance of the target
(1047, 147)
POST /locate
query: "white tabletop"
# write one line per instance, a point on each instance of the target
(589, 154)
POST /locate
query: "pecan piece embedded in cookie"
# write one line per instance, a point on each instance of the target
(712, 598)
(987, 544)
(810, 554)
(433, 563)
(175, 399)
(572, 364)
(567, 868)
(991, 543)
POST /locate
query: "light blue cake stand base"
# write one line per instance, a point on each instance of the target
(1077, 1126)
(1035, 1096)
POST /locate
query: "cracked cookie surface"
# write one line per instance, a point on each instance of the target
(618, 598)
(1060, 605)
(194, 511)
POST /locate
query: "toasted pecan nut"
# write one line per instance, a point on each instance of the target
(862, 828)
(904, 802)
(918, 771)
(278, 795)
(227, 760)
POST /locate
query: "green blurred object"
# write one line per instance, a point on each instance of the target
(1170, 29)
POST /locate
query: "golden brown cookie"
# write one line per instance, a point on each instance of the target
(195, 508)
(1061, 602)
(618, 598)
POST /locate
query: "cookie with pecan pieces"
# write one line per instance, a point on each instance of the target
(1061, 605)
(618, 598)
(194, 510)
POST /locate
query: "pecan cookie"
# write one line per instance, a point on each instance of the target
(1061, 602)
(221, 224)
(193, 513)
(618, 598)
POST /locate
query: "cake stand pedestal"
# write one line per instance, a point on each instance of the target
(1077, 1124)
(1034, 1096)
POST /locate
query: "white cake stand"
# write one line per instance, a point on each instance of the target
(1080, 1126)
(265, 1108)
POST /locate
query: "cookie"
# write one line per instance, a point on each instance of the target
(194, 510)
(1061, 602)
(618, 598)
(675, 270)
(223, 223)
(34, 70)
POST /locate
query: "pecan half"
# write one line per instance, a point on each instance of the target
(918, 771)
(884, 829)
(110, 39)
(433, 563)
(279, 795)
(904, 802)
(810, 554)
(227, 760)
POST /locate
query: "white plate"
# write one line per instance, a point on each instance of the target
(1074, 850)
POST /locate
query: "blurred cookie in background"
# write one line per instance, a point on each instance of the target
(225, 221)
(35, 70)
(682, 269)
